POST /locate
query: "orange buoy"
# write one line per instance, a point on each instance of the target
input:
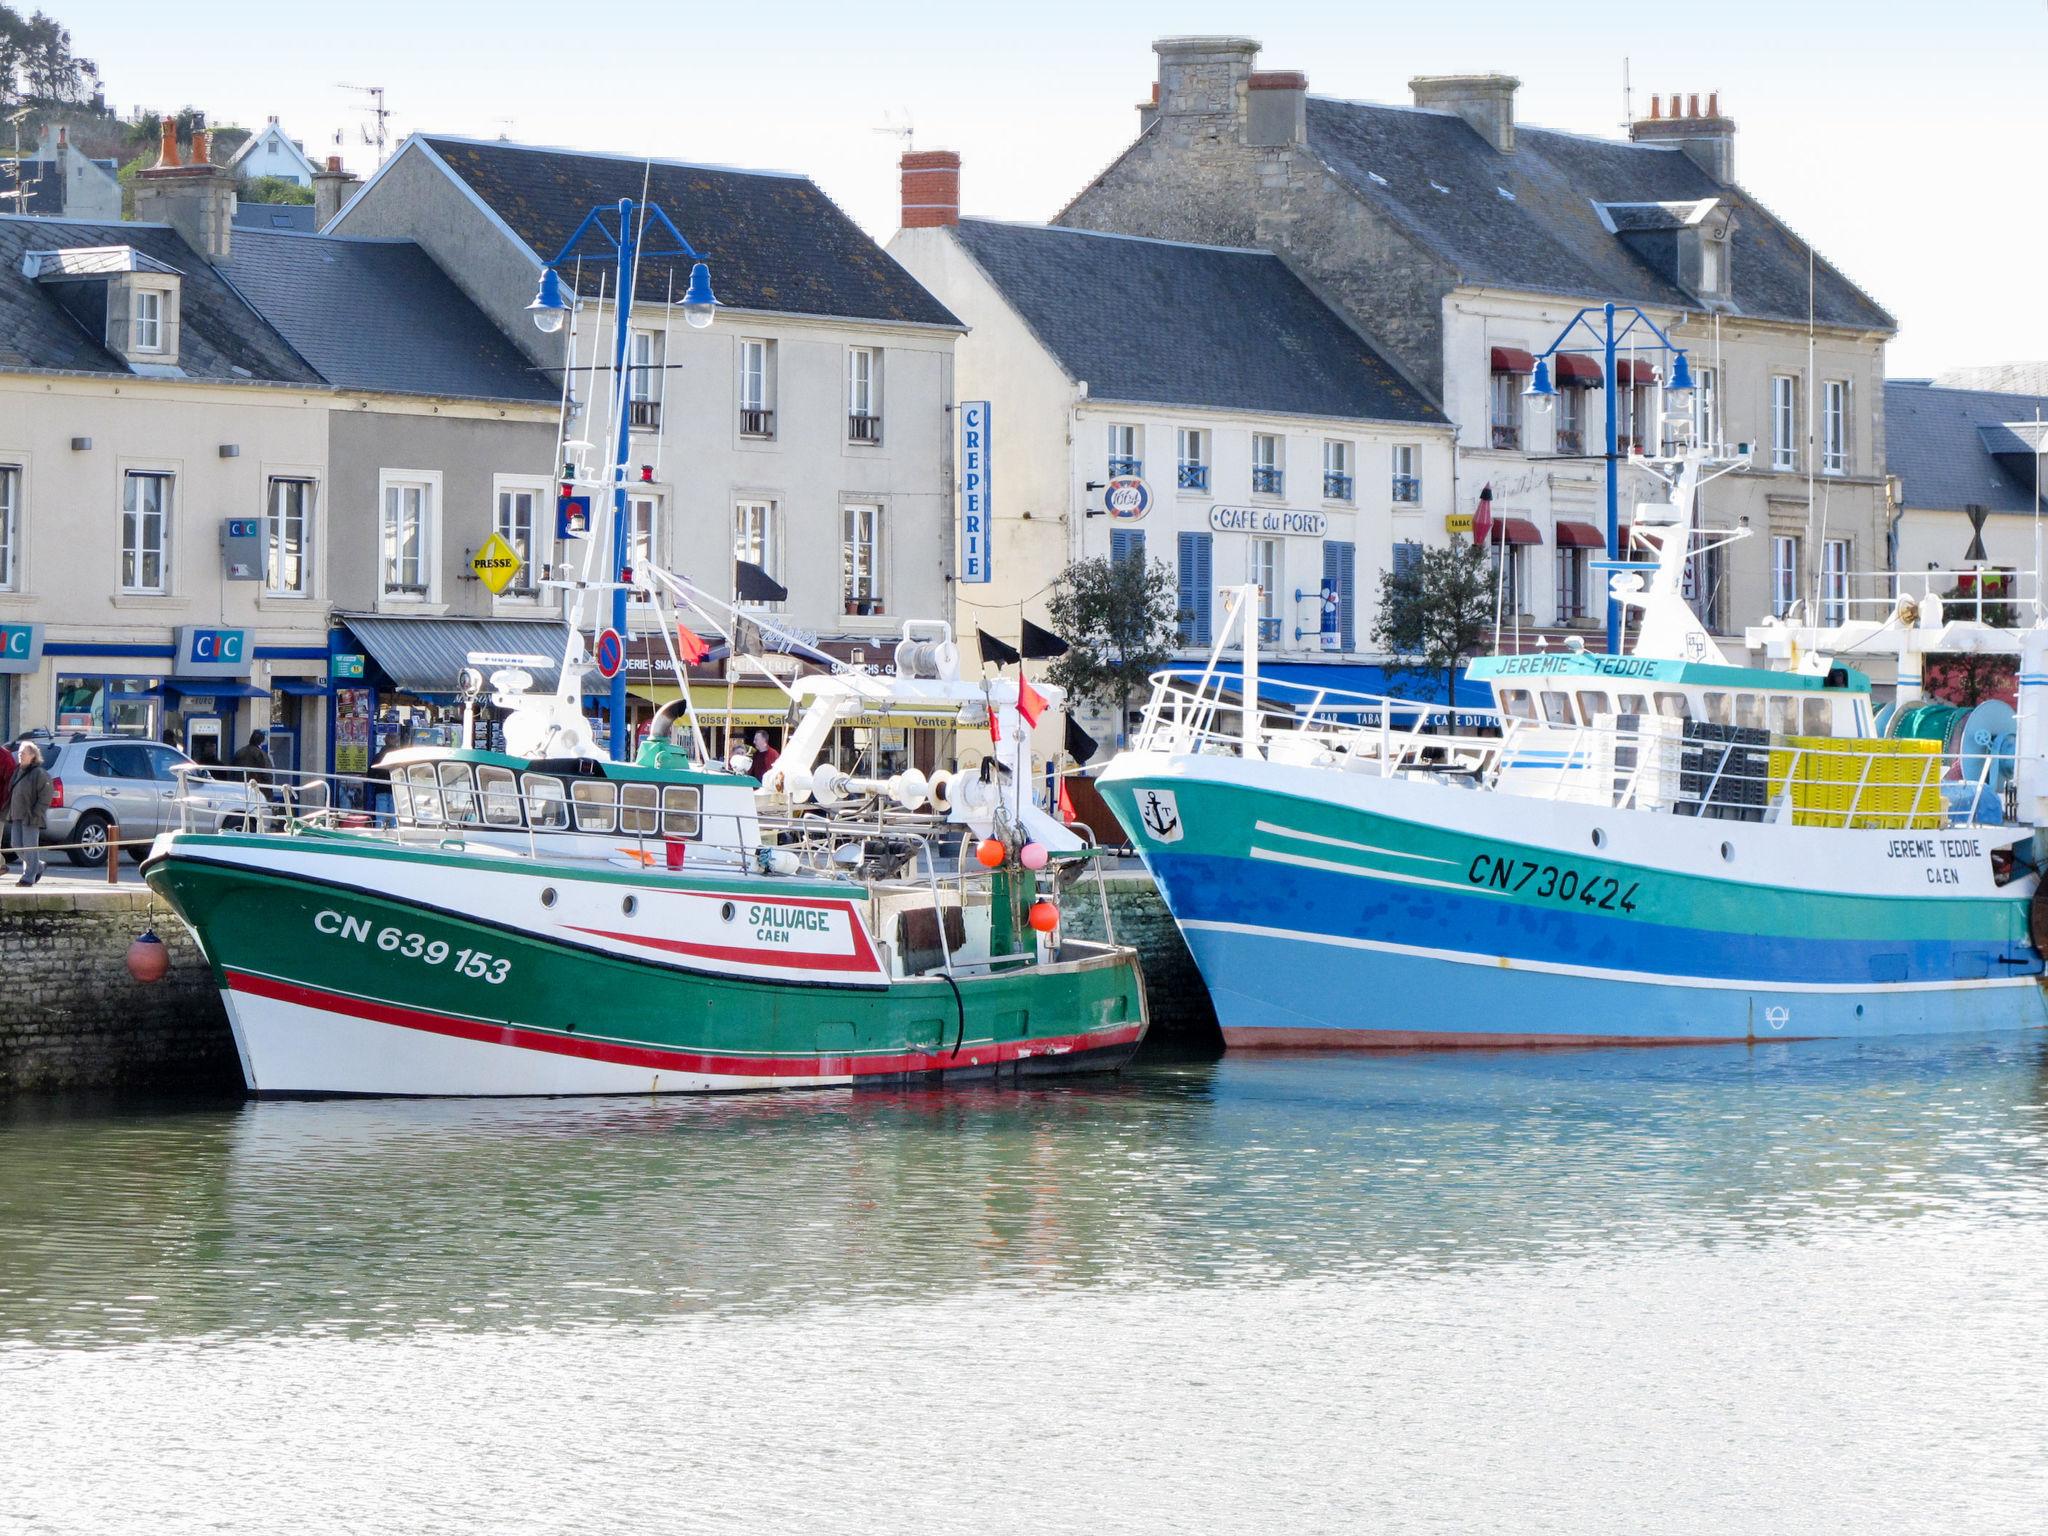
(1044, 916)
(991, 852)
(148, 960)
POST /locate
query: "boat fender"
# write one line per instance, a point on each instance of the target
(2037, 920)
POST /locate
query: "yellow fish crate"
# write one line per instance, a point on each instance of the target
(1862, 781)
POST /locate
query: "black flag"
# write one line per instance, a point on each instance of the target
(752, 584)
(993, 650)
(1041, 644)
(1080, 745)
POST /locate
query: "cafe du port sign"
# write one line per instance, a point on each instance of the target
(1269, 521)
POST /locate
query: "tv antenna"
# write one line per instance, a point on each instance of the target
(378, 113)
(897, 123)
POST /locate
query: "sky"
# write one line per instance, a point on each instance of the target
(1903, 140)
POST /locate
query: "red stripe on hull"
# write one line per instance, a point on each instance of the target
(666, 1060)
(1437, 1040)
(787, 959)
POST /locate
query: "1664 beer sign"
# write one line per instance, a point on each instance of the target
(1126, 499)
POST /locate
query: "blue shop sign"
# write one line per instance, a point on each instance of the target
(21, 647)
(212, 652)
(977, 510)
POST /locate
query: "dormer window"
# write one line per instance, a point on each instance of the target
(147, 334)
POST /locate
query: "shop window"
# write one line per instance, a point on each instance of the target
(679, 811)
(546, 807)
(597, 805)
(499, 790)
(637, 816)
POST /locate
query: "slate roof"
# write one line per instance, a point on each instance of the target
(220, 337)
(774, 241)
(378, 315)
(1952, 448)
(1437, 179)
(1162, 323)
(294, 216)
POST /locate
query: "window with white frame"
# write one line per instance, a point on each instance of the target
(1263, 571)
(1834, 581)
(518, 523)
(146, 327)
(145, 531)
(1192, 451)
(408, 537)
(1574, 568)
(757, 388)
(860, 559)
(1706, 405)
(1507, 410)
(1784, 572)
(864, 394)
(757, 536)
(1407, 482)
(1570, 406)
(288, 537)
(1509, 567)
(1126, 449)
(1834, 427)
(1784, 421)
(643, 387)
(643, 530)
(10, 527)
(1269, 471)
(1337, 480)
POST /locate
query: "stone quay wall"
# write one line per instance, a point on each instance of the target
(72, 1017)
(1182, 1015)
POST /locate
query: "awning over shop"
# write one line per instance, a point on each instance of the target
(301, 687)
(1514, 530)
(426, 655)
(1577, 369)
(206, 688)
(1634, 371)
(1579, 536)
(1512, 360)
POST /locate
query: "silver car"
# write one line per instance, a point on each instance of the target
(109, 782)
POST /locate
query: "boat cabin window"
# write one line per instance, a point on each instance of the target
(597, 805)
(1557, 709)
(499, 790)
(1717, 708)
(1632, 704)
(458, 794)
(637, 813)
(1516, 704)
(1817, 718)
(547, 808)
(1593, 705)
(1673, 706)
(679, 811)
(1749, 710)
(426, 794)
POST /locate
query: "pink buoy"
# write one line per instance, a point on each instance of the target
(1033, 856)
(148, 960)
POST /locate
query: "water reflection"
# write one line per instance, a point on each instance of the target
(124, 1222)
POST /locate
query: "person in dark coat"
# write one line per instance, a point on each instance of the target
(28, 809)
(6, 783)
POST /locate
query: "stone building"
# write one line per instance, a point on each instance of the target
(1461, 242)
(1196, 405)
(1952, 452)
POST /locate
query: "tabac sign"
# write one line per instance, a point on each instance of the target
(977, 531)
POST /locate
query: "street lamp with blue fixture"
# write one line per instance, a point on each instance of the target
(1542, 394)
(635, 225)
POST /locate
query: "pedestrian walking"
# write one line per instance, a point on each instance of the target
(28, 809)
(6, 783)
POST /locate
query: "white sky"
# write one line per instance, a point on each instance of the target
(1901, 139)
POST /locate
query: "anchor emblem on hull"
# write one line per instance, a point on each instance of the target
(1160, 812)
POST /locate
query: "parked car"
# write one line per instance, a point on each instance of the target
(109, 782)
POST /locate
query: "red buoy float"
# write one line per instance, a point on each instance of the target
(1044, 916)
(148, 960)
(991, 852)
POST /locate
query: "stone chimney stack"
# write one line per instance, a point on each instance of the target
(197, 199)
(931, 188)
(1276, 107)
(1707, 137)
(1486, 102)
(331, 188)
(1203, 85)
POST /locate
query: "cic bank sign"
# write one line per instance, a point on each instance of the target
(212, 652)
(21, 647)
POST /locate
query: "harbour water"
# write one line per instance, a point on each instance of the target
(1796, 1288)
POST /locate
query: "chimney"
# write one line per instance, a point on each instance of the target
(1202, 84)
(331, 189)
(931, 188)
(195, 199)
(1148, 110)
(1277, 107)
(1707, 137)
(1486, 102)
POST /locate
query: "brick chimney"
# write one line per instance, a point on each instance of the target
(1707, 138)
(1486, 102)
(197, 199)
(931, 188)
(1276, 107)
(332, 187)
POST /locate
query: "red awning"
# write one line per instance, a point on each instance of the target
(1514, 530)
(1577, 369)
(1512, 360)
(1634, 371)
(1579, 536)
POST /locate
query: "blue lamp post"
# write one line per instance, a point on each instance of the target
(549, 309)
(1542, 392)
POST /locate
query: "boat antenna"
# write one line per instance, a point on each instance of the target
(2038, 446)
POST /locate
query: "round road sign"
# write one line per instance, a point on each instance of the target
(611, 654)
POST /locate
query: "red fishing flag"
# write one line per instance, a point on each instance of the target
(1030, 702)
(1066, 801)
(995, 725)
(690, 645)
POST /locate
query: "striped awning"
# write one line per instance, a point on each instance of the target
(1512, 360)
(1575, 368)
(1579, 536)
(426, 655)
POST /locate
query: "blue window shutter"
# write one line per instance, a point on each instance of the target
(1185, 553)
(1200, 547)
(1126, 544)
(1406, 554)
(1340, 570)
